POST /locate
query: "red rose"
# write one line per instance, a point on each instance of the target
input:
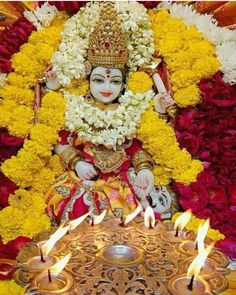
(6, 272)
(228, 246)
(72, 6)
(7, 187)
(5, 65)
(10, 140)
(232, 195)
(13, 247)
(150, 4)
(189, 141)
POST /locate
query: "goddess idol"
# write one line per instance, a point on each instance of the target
(107, 166)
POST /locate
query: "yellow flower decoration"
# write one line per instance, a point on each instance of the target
(10, 288)
(189, 56)
(139, 82)
(158, 138)
(26, 214)
(79, 87)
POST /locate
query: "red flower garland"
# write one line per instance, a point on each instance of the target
(11, 39)
(208, 133)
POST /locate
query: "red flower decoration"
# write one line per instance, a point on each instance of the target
(208, 133)
(70, 6)
(11, 40)
(10, 251)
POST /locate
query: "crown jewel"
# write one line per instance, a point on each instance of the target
(107, 43)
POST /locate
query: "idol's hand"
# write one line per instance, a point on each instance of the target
(85, 171)
(144, 183)
(162, 101)
(51, 80)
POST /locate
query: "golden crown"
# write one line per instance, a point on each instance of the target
(107, 43)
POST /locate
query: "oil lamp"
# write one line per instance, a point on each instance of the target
(177, 235)
(53, 280)
(198, 245)
(191, 283)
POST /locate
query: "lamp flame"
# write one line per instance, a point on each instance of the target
(132, 215)
(58, 267)
(149, 217)
(47, 247)
(182, 220)
(196, 265)
(202, 232)
(98, 218)
(76, 222)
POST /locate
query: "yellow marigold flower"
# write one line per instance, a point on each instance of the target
(158, 16)
(44, 53)
(6, 110)
(54, 100)
(21, 199)
(170, 44)
(79, 87)
(20, 81)
(192, 34)
(188, 55)
(51, 117)
(43, 134)
(45, 178)
(10, 227)
(56, 165)
(139, 82)
(24, 65)
(201, 49)
(49, 35)
(23, 118)
(161, 176)
(30, 160)
(179, 60)
(19, 94)
(42, 150)
(187, 96)
(206, 66)
(183, 78)
(35, 224)
(158, 138)
(10, 288)
(59, 20)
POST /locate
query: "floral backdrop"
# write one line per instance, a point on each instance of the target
(205, 124)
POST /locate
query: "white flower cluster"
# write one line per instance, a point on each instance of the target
(223, 39)
(107, 127)
(42, 16)
(139, 35)
(68, 61)
(2, 79)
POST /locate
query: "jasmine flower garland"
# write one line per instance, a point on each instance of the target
(110, 127)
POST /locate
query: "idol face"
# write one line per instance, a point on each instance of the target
(105, 84)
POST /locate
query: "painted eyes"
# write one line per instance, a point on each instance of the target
(101, 81)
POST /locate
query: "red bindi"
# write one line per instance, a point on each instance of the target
(108, 71)
(108, 76)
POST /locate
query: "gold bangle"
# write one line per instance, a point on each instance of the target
(71, 156)
(142, 160)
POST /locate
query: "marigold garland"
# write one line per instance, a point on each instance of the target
(158, 138)
(188, 55)
(11, 288)
(35, 156)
